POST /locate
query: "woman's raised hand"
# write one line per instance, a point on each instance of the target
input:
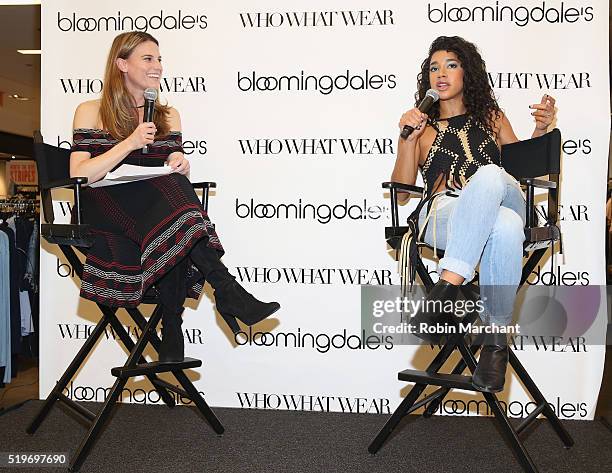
(144, 134)
(417, 120)
(544, 112)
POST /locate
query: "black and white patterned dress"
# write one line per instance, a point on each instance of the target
(142, 229)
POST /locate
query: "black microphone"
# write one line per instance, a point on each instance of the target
(430, 98)
(150, 96)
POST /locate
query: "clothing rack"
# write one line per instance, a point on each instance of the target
(19, 206)
(19, 263)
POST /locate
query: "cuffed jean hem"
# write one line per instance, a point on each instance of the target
(457, 266)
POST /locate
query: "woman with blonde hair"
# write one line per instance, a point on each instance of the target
(153, 234)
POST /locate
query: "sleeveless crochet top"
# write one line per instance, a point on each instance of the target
(460, 148)
(97, 142)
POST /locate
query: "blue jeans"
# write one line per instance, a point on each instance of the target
(485, 224)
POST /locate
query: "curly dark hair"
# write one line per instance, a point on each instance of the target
(478, 97)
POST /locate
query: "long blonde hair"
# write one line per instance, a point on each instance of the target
(117, 104)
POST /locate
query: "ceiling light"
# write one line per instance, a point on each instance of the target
(18, 97)
(28, 51)
(20, 2)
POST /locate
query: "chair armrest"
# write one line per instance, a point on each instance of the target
(541, 183)
(72, 181)
(396, 187)
(75, 183)
(204, 185)
(403, 187)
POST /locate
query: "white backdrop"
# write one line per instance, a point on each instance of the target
(212, 52)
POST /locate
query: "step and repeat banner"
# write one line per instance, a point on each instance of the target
(292, 108)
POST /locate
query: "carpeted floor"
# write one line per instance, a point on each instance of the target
(157, 439)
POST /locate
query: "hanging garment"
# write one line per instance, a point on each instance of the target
(5, 308)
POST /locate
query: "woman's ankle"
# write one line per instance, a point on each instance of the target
(452, 278)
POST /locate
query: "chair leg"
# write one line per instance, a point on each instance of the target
(199, 401)
(83, 450)
(459, 368)
(183, 380)
(411, 398)
(129, 344)
(530, 264)
(94, 430)
(517, 446)
(537, 396)
(68, 374)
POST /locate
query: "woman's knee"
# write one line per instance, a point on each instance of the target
(490, 179)
(490, 172)
(509, 226)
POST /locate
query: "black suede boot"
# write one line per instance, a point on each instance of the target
(232, 300)
(490, 373)
(434, 321)
(172, 347)
(172, 290)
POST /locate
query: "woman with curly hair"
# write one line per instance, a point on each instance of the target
(473, 209)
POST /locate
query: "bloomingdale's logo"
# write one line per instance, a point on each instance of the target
(322, 213)
(541, 80)
(122, 22)
(519, 15)
(137, 396)
(168, 84)
(478, 407)
(577, 146)
(306, 19)
(317, 146)
(190, 147)
(324, 84)
(321, 342)
(558, 277)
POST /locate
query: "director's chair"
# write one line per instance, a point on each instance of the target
(526, 161)
(53, 173)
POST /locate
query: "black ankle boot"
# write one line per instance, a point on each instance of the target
(172, 347)
(435, 320)
(490, 373)
(233, 301)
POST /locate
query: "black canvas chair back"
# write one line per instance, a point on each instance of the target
(527, 161)
(53, 165)
(54, 172)
(535, 157)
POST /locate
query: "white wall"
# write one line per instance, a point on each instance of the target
(363, 378)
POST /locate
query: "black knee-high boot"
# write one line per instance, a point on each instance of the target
(172, 348)
(172, 292)
(232, 300)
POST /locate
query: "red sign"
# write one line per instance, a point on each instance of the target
(22, 172)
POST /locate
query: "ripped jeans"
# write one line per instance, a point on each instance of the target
(483, 224)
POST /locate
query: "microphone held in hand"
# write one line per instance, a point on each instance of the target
(430, 98)
(150, 96)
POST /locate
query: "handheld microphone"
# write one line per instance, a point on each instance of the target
(150, 96)
(430, 98)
